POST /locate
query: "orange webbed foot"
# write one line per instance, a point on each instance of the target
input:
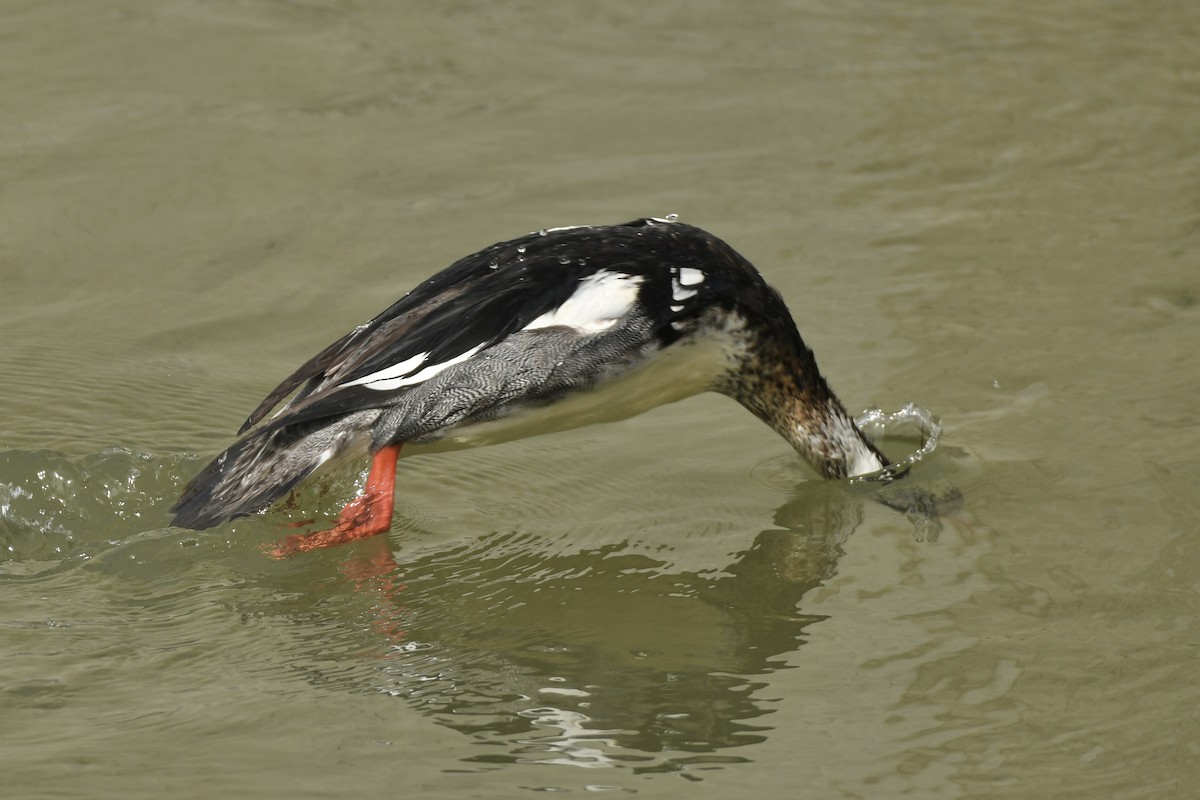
(363, 516)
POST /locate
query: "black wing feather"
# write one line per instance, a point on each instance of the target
(477, 301)
(312, 370)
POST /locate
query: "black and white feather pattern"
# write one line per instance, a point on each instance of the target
(482, 299)
(512, 330)
(519, 324)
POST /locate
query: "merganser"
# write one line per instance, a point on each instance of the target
(553, 330)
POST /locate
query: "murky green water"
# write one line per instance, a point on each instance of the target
(989, 209)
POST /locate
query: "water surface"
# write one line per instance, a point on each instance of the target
(988, 209)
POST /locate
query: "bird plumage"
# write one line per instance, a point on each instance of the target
(547, 331)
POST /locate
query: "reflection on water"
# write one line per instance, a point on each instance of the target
(589, 656)
(604, 657)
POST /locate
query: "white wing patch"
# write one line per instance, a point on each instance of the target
(689, 276)
(395, 376)
(599, 301)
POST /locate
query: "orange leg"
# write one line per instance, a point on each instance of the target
(363, 516)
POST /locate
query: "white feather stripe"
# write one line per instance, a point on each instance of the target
(689, 276)
(598, 302)
(388, 385)
(680, 293)
(395, 371)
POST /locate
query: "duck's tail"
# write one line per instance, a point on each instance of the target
(256, 471)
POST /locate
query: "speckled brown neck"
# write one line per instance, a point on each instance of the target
(779, 382)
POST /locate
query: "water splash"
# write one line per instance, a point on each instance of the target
(921, 506)
(877, 423)
(58, 509)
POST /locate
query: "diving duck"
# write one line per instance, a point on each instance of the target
(556, 329)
